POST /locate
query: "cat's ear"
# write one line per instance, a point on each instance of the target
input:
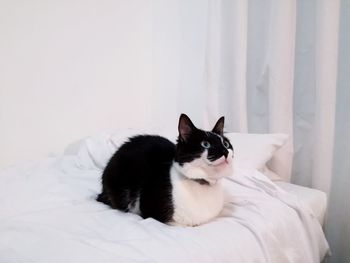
(186, 127)
(219, 126)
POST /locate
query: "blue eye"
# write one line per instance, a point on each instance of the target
(226, 144)
(205, 144)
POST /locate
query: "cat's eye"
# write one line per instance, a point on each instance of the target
(205, 144)
(226, 144)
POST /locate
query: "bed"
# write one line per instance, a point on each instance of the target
(48, 213)
(314, 199)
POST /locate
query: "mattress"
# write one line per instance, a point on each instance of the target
(315, 199)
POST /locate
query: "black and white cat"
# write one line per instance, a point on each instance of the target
(175, 184)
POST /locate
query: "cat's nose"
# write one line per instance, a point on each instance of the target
(225, 153)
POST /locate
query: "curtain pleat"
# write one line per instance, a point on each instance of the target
(280, 68)
(338, 218)
(326, 57)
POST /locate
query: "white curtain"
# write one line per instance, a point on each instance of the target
(268, 66)
(250, 66)
(272, 66)
(254, 49)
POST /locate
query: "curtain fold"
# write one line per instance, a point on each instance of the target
(280, 66)
(338, 219)
(326, 57)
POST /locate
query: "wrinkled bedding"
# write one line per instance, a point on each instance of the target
(48, 213)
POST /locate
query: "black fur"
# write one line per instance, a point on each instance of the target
(140, 169)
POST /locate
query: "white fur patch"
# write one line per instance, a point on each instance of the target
(202, 168)
(196, 203)
(135, 208)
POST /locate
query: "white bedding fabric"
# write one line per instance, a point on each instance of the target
(48, 214)
(315, 199)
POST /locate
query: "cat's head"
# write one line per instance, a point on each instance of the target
(203, 155)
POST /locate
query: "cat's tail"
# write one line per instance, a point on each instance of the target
(103, 198)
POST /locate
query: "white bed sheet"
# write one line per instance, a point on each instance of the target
(48, 214)
(315, 199)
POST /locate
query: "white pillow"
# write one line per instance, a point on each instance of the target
(250, 150)
(93, 152)
(255, 150)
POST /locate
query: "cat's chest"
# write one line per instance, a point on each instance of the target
(195, 204)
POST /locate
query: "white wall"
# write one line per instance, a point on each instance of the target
(73, 68)
(69, 69)
(179, 43)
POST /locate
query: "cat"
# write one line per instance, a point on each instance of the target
(177, 184)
